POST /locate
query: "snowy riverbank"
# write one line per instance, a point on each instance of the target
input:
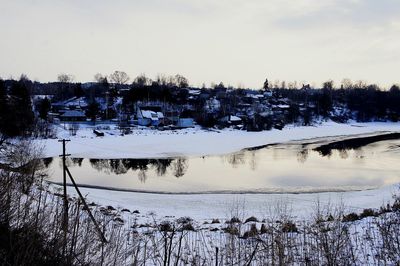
(147, 143)
(194, 142)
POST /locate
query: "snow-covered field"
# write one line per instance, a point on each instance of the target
(147, 143)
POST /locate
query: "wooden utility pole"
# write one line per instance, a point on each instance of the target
(64, 223)
(86, 207)
(216, 256)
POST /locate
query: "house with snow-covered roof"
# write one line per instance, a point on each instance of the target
(231, 120)
(74, 103)
(73, 115)
(150, 116)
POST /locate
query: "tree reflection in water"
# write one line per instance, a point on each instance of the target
(253, 160)
(101, 165)
(77, 161)
(343, 154)
(161, 166)
(117, 167)
(180, 167)
(47, 161)
(236, 159)
(142, 175)
(177, 166)
(291, 166)
(302, 155)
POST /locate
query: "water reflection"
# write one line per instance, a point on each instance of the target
(292, 167)
(122, 166)
(253, 160)
(354, 143)
(47, 161)
(77, 161)
(344, 154)
(302, 155)
(161, 166)
(236, 159)
(180, 167)
(142, 175)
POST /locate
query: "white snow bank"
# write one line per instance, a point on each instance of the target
(147, 143)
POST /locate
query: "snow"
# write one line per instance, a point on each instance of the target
(194, 92)
(235, 118)
(152, 115)
(149, 114)
(147, 143)
(283, 106)
(42, 96)
(208, 206)
(160, 115)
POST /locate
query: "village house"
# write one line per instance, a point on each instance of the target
(73, 116)
(231, 120)
(150, 116)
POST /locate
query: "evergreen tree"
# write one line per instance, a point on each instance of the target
(20, 115)
(93, 110)
(43, 108)
(266, 84)
(78, 91)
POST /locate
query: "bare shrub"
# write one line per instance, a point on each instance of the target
(331, 239)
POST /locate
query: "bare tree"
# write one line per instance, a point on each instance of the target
(346, 84)
(65, 78)
(119, 77)
(100, 78)
(142, 80)
(24, 78)
(181, 81)
(161, 79)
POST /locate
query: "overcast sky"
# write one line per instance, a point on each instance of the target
(238, 42)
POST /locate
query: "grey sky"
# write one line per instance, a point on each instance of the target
(233, 41)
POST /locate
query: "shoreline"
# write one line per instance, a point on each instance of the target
(220, 192)
(201, 207)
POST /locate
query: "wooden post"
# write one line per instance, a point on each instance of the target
(64, 223)
(216, 256)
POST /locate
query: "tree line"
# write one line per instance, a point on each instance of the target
(357, 101)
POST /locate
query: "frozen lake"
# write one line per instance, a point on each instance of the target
(293, 167)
